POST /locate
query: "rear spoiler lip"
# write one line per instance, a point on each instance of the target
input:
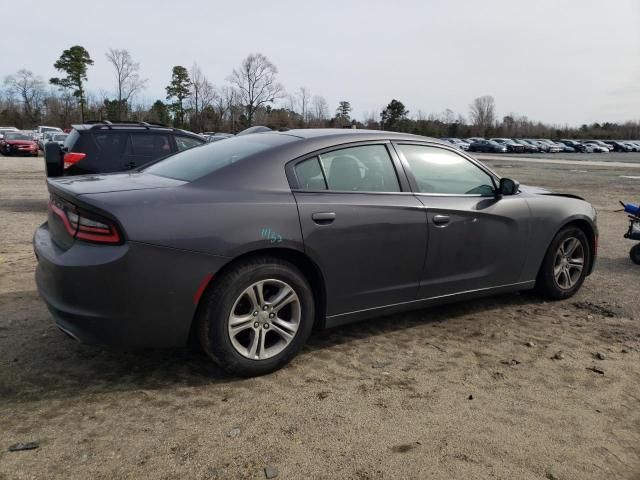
(56, 189)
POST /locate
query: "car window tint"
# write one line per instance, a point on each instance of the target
(310, 176)
(152, 145)
(198, 162)
(184, 143)
(361, 169)
(109, 143)
(437, 170)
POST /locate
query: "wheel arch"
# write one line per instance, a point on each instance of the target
(589, 229)
(308, 267)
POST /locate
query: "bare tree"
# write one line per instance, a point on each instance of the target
(448, 116)
(256, 83)
(292, 101)
(483, 113)
(127, 76)
(304, 95)
(202, 95)
(320, 107)
(30, 89)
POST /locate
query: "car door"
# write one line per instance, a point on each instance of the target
(361, 225)
(477, 240)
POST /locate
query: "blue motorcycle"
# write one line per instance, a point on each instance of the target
(634, 229)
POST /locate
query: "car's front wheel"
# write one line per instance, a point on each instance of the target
(565, 264)
(257, 316)
(634, 254)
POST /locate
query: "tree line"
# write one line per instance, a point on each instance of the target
(252, 95)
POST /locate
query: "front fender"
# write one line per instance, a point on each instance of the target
(549, 214)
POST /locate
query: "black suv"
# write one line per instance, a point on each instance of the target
(104, 147)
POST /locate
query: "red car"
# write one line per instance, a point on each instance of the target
(18, 143)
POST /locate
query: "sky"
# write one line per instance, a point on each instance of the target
(557, 61)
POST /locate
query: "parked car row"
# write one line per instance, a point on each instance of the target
(544, 145)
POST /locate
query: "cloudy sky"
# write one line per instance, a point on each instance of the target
(558, 61)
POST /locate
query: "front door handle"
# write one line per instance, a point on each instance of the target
(323, 218)
(441, 220)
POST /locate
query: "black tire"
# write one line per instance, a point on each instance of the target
(634, 254)
(546, 284)
(213, 315)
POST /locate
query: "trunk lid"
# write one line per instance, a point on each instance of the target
(68, 194)
(119, 182)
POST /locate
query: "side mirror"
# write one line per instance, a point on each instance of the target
(508, 187)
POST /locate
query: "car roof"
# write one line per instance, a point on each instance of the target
(266, 166)
(348, 134)
(131, 126)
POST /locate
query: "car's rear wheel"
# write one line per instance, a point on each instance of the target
(634, 253)
(565, 264)
(257, 316)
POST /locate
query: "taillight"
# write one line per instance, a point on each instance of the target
(84, 226)
(72, 158)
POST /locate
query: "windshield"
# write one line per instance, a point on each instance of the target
(209, 157)
(49, 129)
(58, 138)
(17, 136)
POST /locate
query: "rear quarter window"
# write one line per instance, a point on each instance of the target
(71, 140)
(195, 163)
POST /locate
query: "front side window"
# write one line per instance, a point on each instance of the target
(441, 171)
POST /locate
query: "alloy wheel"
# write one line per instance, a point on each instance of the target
(264, 319)
(568, 263)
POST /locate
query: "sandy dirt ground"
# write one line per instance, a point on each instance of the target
(470, 390)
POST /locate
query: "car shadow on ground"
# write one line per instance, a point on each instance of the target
(40, 362)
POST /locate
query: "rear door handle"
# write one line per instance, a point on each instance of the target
(441, 220)
(323, 218)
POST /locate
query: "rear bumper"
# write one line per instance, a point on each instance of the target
(132, 295)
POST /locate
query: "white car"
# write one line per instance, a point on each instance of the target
(57, 137)
(456, 142)
(3, 130)
(42, 130)
(600, 143)
(596, 148)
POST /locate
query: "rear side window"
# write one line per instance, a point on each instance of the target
(357, 169)
(310, 176)
(153, 145)
(183, 143)
(365, 169)
(441, 171)
(198, 162)
(110, 143)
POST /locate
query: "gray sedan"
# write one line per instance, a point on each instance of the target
(247, 244)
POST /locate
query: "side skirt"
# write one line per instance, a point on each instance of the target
(350, 317)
